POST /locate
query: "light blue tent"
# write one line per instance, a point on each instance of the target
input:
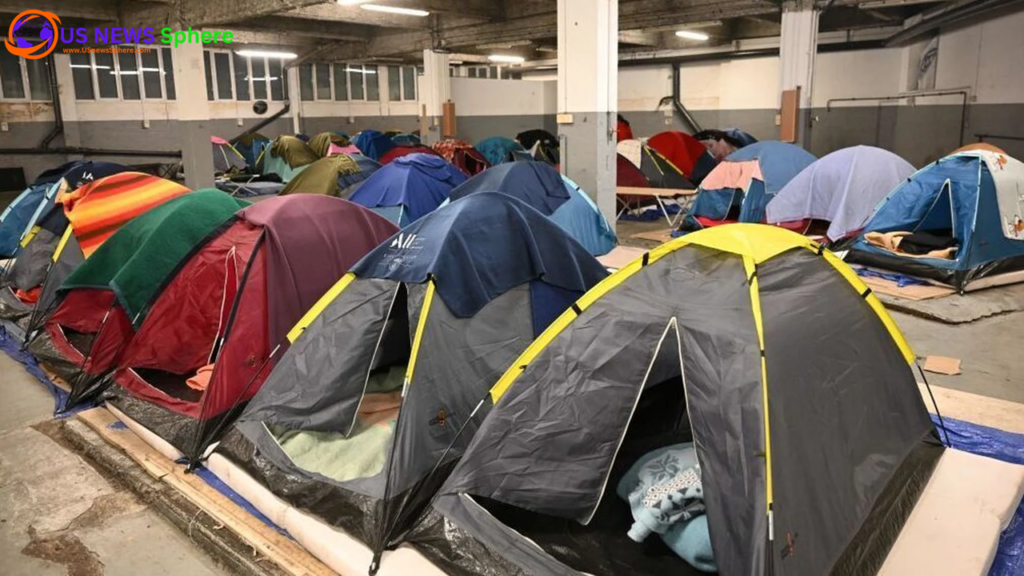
(409, 187)
(560, 199)
(973, 200)
(841, 188)
(740, 187)
(21, 216)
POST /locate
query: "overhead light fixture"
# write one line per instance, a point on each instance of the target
(395, 10)
(361, 70)
(352, 2)
(691, 35)
(506, 59)
(267, 54)
(547, 49)
(499, 45)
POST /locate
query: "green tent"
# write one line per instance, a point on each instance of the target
(321, 177)
(136, 261)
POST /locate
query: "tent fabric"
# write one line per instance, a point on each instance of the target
(631, 150)
(658, 170)
(373, 144)
(539, 185)
(322, 142)
(623, 130)
(627, 174)
(136, 261)
(685, 152)
(286, 157)
(464, 240)
(843, 188)
(399, 151)
(585, 400)
(323, 177)
(19, 218)
(536, 183)
(349, 183)
(252, 147)
(969, 196)
(403, 139)
(242, 291)
(95, 211)
(462, 155)
(740, 187)
(496, 149)
(541, 144)
(979, 146)
(418, 182)
(225, 157)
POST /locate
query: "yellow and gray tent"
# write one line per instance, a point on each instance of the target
(756, 344)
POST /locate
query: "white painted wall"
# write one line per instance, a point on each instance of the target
(856, 74)
(486, 97)
(988, 57)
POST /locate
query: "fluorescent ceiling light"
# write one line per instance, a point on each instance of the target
(691, 35)
(395, 10)
(352, 2)
(267, 54)
(361, 71)
(506, 59)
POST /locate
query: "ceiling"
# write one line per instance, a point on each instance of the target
(472, 29)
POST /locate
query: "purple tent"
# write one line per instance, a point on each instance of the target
(842, 188)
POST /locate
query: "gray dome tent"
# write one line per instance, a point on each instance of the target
(360, 420)
(813, 440)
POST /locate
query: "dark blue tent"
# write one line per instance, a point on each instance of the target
(349, 183)
(969, 201)
(409, 187)
(37, 200)
(483, 246)
(542, 187)
(373, 144)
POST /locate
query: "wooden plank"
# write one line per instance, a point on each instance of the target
(660, 236)
(284, 552)
(116, 433)
(789, 124)
(652, 192)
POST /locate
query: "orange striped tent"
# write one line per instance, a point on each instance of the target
(99, 209)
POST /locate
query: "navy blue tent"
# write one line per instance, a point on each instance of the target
(18, 220)
(409, 187)
(968, 206)
(349, 183)
(373, 144)
(560, 199)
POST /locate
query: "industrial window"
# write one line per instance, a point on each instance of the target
(167, 65)
(356, 80)
(340, 82)
(222, 71)
(322, 73)
(259, 78)
(22, 79)
(151, 81)
(394, 83)
(81, 74)
(408, 83)
(208, 67)
(306, 82)
(372, 83)
(240, 70)
(278, 85)
(128, 73)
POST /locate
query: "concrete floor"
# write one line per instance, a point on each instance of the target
(990, 348)
(59, 516)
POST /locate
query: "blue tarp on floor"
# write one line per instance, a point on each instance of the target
(1008, 447)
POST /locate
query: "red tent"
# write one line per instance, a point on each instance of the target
(231, 304)
(627, 174)
(399, 151)
(685, 152)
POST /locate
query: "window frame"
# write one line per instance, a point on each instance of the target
(140, 75)
(25, 84)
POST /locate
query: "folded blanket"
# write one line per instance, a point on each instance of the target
(892, 242)
(666, 497)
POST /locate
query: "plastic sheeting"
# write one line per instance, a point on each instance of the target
(1004, 446)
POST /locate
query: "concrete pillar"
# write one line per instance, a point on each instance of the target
(294, 98)
(194, 129)
(435, 90)
(798, 46)
(588, 62)
(68, 102)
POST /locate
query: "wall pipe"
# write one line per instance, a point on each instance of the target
(58, 118)
(962, 92)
